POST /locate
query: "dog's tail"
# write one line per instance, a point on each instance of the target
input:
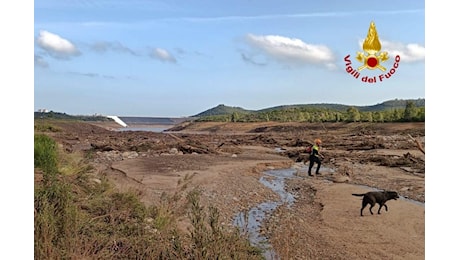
(359, 195)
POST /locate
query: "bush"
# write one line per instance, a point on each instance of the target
(55, 220)
(45, 154)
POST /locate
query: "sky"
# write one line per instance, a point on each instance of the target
(180, 58)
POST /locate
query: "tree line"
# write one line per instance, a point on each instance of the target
(411, 113)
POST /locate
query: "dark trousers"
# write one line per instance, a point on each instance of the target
(313, 160)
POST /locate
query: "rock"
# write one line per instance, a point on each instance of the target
(129, 155)
(96, 180)
(340, 178)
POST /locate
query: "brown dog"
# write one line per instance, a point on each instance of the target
(379, 197)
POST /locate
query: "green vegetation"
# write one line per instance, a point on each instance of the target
(412, 111)
(45, 154)
(223, 110)
(80, 216)
(46, 128)
(58, 115)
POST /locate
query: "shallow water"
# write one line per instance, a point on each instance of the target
(250, 222)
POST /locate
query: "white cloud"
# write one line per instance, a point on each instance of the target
(162, 55)
(292, 51)
(113, 46)
(56, 46)
(411, 52)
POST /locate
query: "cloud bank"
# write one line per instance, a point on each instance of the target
(291, 51)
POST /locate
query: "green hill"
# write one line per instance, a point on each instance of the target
(387, 105)
(223, 110)
(397, 110)
(392, 104)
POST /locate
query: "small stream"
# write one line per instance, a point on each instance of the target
(250, 222)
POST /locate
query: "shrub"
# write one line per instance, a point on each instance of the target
(45, 155)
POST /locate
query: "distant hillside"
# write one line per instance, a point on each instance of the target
(59, 115)
(392, 104)
(387, 105)
(222, 110)
(397, 110)
(337, 107)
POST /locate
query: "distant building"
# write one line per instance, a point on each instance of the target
(43, 110)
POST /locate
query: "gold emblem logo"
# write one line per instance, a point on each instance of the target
(372, 59)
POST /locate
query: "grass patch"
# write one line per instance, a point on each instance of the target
(45, 127)
(45, 155)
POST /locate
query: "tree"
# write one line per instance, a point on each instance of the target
(379, 117)
(337, 117)
(353, 114)
(367, 116)
(235, 117)
(410, 113)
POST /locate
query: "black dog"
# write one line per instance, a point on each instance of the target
(379, 197)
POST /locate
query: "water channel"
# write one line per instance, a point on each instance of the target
(250, 222)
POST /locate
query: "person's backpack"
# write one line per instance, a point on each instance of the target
(309, 149)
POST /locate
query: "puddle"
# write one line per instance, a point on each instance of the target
(250, 222)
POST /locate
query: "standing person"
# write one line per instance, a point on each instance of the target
(315, 157)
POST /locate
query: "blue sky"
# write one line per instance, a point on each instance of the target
(179, 58)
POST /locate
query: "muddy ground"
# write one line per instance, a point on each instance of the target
(226, 160)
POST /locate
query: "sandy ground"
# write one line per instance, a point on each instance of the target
(226, 160)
